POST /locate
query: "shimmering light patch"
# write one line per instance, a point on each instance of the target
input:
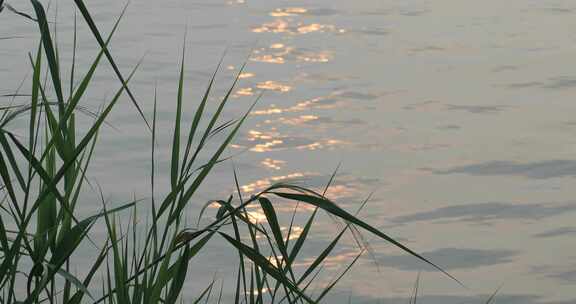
(316, 57)
(269, 59)
(269, 111)
(282, 26)
(254, 135)
(295, 232)
(246, 75)
(277, 56)
(274, 86)
(315, 27)
(331, 261)
(244, 92)
(341, 191)
(267, 146)
(289, 11)
(267, 182)
(273, 163)
(256, 216)
(279, 53)
(274, 260)
(272, 140)
(277, 26)
(324, 144)
(255, 292)
(214, 205)
(302, 119)
(348, 187)
(299, 107)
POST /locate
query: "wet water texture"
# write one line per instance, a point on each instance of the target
(458, 115)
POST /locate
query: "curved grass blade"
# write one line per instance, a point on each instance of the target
(62, 252)
(492, 297)
(15, 11)
(204, 293)
(81, 89)
(50, 53)
(216, 116)
(12, 162)
(265, 264)
(182, 240)
(199, 113)
(94, 29)
(332, 208)
(327, 289)
(77, 297)
(204, 172)
(7, 180)
(72, 279)
(272, 220)
(179, 277)
(175, 161)
(322, 256)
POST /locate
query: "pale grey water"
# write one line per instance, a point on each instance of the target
(458, 114)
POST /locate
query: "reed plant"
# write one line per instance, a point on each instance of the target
(44, 175)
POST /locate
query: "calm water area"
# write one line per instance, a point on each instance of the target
(459, 117)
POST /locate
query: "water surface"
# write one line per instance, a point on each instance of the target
(459, 115)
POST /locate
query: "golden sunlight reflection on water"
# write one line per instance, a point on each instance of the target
(279, 53)
(245, 75)
(276, 117)
(299, 28)
(300, 120)
(437, 106)
(273, 140)
(264, 183)
(274, 86)
(334, 99)
(284, 23)
(274, 164)
(335, 260)
(289, 11)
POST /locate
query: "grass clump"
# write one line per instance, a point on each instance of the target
(44, 177)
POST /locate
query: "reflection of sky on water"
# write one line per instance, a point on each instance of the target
(539, 170)
(458, 114)
(564, 231)
(450, 259)
(485, 212)
(442, 299)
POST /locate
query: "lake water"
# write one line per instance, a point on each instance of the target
(458, 115)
